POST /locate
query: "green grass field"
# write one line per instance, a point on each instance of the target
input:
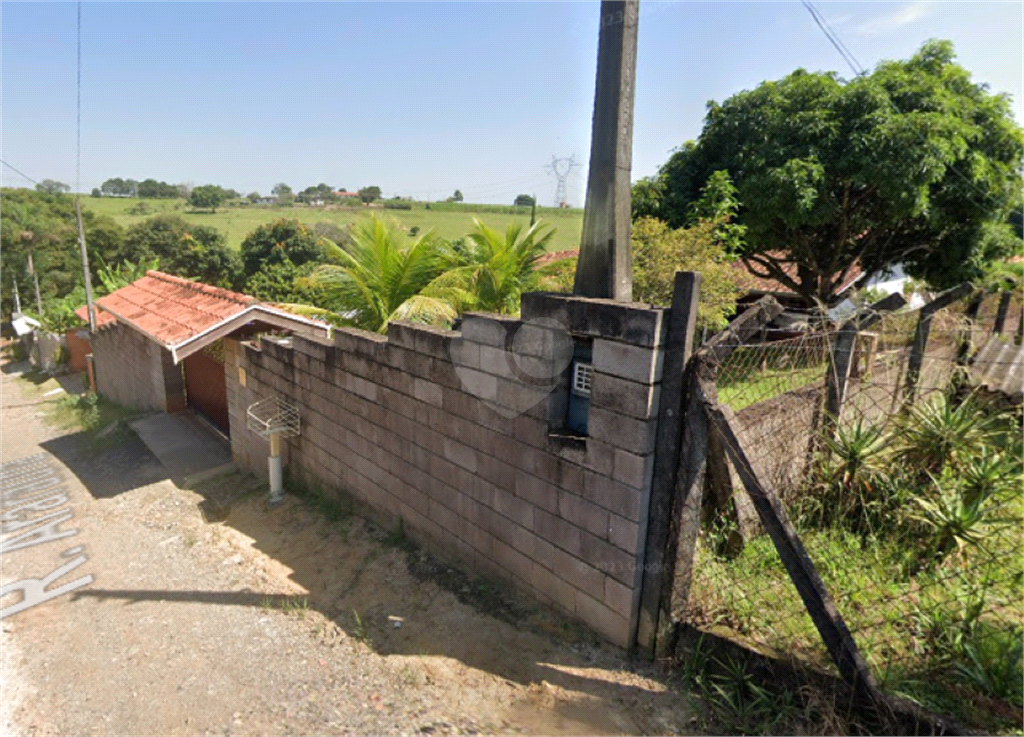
(449, 221)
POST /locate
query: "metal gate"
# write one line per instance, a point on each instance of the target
(205, 386)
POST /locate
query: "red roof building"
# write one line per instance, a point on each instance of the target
(183, 316)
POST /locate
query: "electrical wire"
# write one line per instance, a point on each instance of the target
(16, 171)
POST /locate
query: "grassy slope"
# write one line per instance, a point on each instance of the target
(237, 222)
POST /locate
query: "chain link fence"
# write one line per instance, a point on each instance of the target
(908, 504)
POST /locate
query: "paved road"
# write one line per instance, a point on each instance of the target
(132, 606)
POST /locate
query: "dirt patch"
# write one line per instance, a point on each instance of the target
(212, 613)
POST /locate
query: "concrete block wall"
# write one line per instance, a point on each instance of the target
(433, 427)
(134, 371)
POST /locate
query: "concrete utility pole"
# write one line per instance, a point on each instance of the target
(605, 266)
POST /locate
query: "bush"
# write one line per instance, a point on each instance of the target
(659, 252)
(389, 205)
(280, 241)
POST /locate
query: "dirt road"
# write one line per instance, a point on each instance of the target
(202, 611)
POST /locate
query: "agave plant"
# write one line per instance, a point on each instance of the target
(941, 433)
(381, 276)
(960, 516)
(496, 268)
(854, 475)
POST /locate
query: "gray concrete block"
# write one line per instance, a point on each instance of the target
(478, 384)
(582, 576)
(625, 397)
(618, 597)
(557, 589)
(602, 618)
(542, 494)
(488, 329)
(600, 457)
(629, 322)
(621, 431)
(557, 531)
(583, 514)
(632, 469)
(402, 334)
(435, 342)
(612, 495)
(515, 508)
(427, 391)
(631, 362)
(570, 477)
(497, 472)
(613, 561)
(461, 455)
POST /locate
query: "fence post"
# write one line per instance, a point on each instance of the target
(678, 346)
(971, 313)
(924, 326)
(1003, 309)
(801, 569)
(676, 490)
(841, 357)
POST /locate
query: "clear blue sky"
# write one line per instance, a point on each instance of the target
(418, 98)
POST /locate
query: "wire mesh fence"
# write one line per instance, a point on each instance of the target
(909, 505)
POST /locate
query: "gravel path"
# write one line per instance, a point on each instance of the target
(210, 613)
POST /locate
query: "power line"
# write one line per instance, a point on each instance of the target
(78, 133)
(833, 38)
(18, 172)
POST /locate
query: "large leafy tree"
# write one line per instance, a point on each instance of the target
(44, 225)
(383, 276)
(192, 251)
(369, 194)
(283, 240)
(208, 196)
(913, 164)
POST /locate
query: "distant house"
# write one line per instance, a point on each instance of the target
(347, 194)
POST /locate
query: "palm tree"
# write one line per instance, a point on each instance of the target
(380, 276)
(495, 268)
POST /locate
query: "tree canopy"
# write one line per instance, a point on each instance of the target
(280, 241)
(369, 194)
(44, 225)
(184, 249)
(913, 164)
(523, 200)
(208, 196)
(51, 186)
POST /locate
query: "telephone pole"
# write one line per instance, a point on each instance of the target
(605, 266)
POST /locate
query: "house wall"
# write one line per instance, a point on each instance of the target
(433, 427)
(134, 371)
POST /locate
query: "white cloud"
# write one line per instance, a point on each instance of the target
(891, 21)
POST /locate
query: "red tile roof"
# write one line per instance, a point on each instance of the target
(102, 318)
(168, 308)
(747, 281)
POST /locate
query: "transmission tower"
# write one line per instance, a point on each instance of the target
(561, 168)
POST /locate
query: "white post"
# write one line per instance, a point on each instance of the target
(274, 463)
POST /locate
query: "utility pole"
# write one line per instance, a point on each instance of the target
(85, 268)
(35, 281)
(605, 266)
